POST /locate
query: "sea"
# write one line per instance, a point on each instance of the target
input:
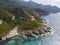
(54, 39)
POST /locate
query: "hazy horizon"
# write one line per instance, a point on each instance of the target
(47, 2)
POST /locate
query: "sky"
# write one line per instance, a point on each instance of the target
(48, 2)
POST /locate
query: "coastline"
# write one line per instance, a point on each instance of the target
(31, 34)
(50, 30)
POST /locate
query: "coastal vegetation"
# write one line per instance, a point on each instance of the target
(23, 19)
(29, 25)
(5, 28)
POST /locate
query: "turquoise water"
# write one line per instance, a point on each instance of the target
(46, 40)
(22, 42)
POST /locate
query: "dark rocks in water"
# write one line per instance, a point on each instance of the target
(45, 30)
(29, 35)
(35, 32)
(41, 32)
(0, 38)
(49, 29)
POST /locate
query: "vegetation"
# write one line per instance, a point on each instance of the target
(5, 28)
(29, 25)
(22, 20)
(5, 14)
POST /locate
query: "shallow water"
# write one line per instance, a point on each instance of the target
(46, 40)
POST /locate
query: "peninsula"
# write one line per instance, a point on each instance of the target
(22, 21)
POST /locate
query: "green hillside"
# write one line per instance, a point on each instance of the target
(23, 18)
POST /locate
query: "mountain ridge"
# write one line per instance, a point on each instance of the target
(43, 9)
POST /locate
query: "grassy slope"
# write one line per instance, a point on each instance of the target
(24, 23)
(5, 28)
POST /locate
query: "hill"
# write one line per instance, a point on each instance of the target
(43, 9)
(23, 15)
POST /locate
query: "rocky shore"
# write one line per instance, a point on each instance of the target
(35, 34)
(30, 34)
